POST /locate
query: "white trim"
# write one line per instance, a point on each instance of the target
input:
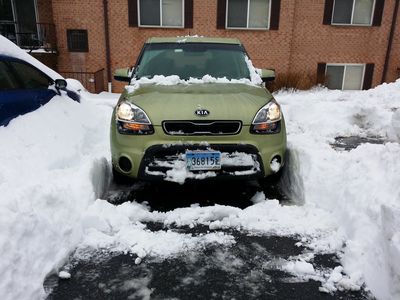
(248, 14)
(352, 16)
(248, 18)
(352, 12)
(345, 65)
(161, 20)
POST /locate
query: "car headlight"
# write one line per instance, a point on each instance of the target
(267, 119)
(131, 119)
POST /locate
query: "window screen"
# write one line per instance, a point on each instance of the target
(353, 78)
(363, 11)
(259, 14)
(172, 13)
(77, 40)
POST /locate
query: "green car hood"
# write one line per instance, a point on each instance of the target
(179, 102)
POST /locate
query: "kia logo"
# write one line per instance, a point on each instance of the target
(202, 112)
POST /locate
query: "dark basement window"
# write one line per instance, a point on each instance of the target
(77, 40)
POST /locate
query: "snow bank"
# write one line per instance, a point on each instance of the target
(52, 166)
(360, 188)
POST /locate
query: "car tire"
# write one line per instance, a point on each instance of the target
(120, 178)
(272, 179)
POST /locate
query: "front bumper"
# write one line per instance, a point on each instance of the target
(152, 156)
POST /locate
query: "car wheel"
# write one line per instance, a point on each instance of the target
(119, 178)
(272, 179)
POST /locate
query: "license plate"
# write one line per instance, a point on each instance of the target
(203, 160)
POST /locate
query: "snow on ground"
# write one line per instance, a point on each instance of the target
(54, 168)
(359, 188)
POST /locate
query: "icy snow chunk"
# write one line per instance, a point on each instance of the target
(299, 268)
(255, 77)
(138, 260)
(275, 165)
(258, 197)
(64, 275)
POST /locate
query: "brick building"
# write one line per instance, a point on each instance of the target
(355, 42)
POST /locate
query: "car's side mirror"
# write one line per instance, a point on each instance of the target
(267, 75)
(60, 84)
(123, 74)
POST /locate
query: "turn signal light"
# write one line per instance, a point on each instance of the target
(136, 127)
(266, 128)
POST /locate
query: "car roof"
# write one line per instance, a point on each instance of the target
(9, 57)
(192, 39)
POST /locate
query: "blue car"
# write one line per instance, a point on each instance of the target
(24, 88)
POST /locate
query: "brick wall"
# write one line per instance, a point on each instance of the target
(314, 42)
(45, 11)
(78, 14)
(300, 43)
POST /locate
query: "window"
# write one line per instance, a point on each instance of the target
(7, 79)
(161, 13)
(353, 12)
(345, 76)
(20, 21)
(193, 60)
(248, 14)
(77, 40)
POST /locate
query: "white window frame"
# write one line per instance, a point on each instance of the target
(352, 16)
(161, 18)
(248, 15)
(344, 72)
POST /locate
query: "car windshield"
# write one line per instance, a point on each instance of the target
(193, 60)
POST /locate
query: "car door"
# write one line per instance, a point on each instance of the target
(35, 82)
(25, 90)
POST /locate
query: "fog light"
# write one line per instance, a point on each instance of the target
(125, 164)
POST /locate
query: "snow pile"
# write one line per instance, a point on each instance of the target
(360, 188)
(111, 222)
(52, 166)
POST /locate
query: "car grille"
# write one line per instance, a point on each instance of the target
(202, 127)
(159, 159)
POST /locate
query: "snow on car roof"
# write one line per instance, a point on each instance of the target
(8, 48)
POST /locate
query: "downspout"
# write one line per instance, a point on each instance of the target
(390, 43)
(107, 40)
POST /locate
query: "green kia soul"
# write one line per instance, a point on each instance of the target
(196, 108)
